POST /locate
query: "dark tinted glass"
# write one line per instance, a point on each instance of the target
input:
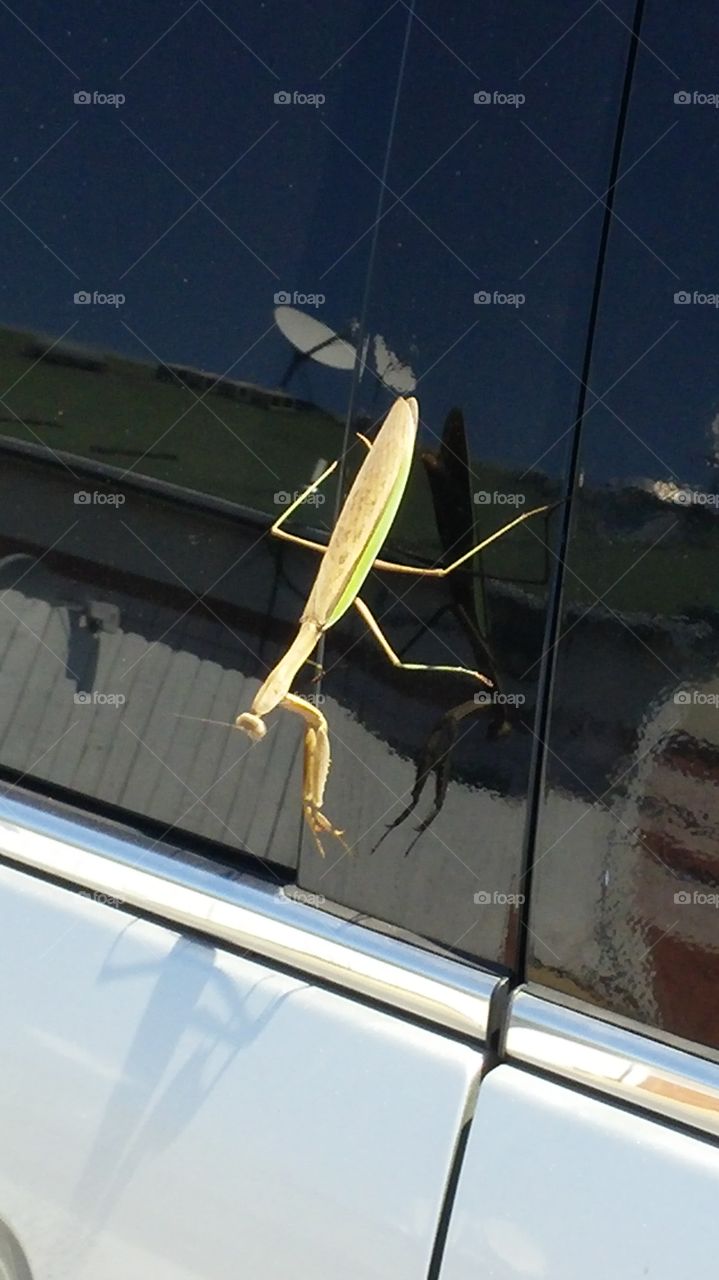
(418, 195)
(625, 890)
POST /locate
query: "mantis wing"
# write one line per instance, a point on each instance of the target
(366, 517)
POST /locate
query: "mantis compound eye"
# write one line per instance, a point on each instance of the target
(252, 725)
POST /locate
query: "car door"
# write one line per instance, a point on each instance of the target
(201, 1075)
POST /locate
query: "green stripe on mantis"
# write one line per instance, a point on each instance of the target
(375, 540)
(365, 518)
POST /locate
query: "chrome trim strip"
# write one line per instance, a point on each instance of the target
(621, 1063)
(232, 907)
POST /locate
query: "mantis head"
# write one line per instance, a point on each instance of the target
(252, 725)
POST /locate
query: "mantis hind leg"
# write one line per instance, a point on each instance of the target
(442, 571)
(316, 768)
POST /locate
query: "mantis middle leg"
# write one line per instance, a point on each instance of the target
(368, 617)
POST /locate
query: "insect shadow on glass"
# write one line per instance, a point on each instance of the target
(452, 489)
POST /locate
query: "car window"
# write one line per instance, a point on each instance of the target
(231, 243)
(625, 884)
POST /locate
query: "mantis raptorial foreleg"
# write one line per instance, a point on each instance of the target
(316, 768)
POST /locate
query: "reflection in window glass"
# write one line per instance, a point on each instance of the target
(231, 242)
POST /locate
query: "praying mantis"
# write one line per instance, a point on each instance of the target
(360, 531)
